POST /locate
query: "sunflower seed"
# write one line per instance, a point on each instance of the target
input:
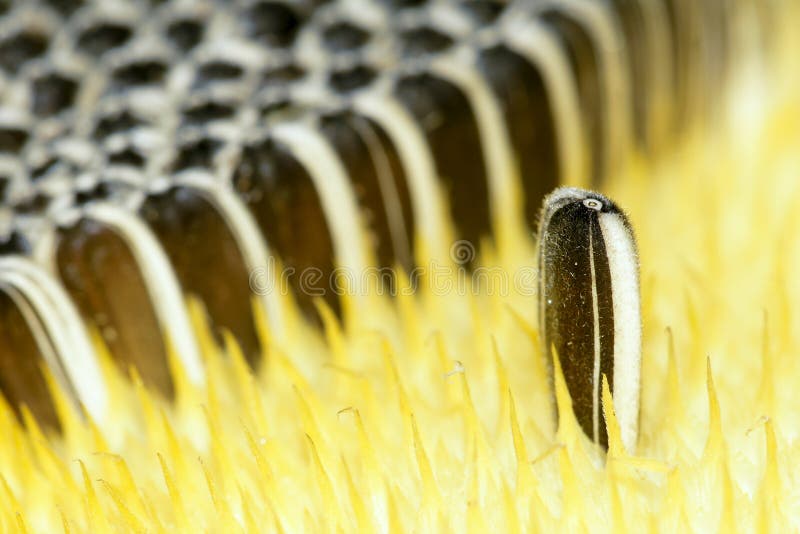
(589, 308)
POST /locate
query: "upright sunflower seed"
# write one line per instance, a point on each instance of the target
(589, 309)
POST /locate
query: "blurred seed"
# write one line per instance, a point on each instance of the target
(282, 197)
(21, 379)
(101, 274)
(584, 59)
(194, 233)
(443, 111)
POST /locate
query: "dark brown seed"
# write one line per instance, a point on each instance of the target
(589, 308)
(21, 378)
(380, 193)
(522, 92)
(101, 275)
(286, 205)
(207, 261)
(445, 115)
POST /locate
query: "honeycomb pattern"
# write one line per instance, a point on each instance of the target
(95, 72)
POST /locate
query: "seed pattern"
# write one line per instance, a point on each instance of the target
(141, 141)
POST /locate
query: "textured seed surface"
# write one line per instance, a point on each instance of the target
(589, 305)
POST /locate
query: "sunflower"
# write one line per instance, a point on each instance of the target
(432, 406)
